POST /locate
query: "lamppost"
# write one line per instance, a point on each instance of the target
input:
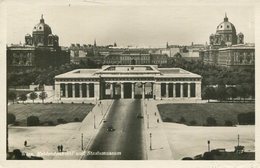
(148, 121)
(150, 141)
(238, 140)
(101, 106)
(81, 141)
(208, 146)
(94, 122)
(146, 108)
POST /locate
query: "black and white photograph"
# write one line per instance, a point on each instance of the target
(121, 80)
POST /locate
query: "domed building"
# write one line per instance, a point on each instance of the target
(226, 35)
(41, 50)
(227, 48)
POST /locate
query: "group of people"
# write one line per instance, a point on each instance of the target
(60, 148)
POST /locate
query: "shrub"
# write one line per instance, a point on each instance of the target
(17, 154)
(167, 119)
(211, 121)
(61, 102)
(61, 121)
(76, 119)
(11, 118)
(72, 102)
(83, 103)
(33, 121)
(193, 122)
(246, 118)
(208, 156)
(182, 120)
(228, 123)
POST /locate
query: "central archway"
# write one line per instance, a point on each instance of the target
(127, 90)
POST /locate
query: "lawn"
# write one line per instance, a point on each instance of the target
(199, 113)
(48, 114)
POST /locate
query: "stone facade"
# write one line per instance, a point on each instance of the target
(228, 48)
(40, 50)
(122, 81)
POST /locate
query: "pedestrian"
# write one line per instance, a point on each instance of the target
(25, 143)
(58, 148)
(157, 120)
(61, 148)
(155, 113)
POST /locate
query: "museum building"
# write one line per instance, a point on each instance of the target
(227, 48)
(41, 50)
(127, 82)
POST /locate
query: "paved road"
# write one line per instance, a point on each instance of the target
(128, 135)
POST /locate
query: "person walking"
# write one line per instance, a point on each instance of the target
(25, 143)
(61, 148)
(58, 148)
(158, 120)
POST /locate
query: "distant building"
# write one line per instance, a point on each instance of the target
(227, 48)
(40, 50)
(135, 57)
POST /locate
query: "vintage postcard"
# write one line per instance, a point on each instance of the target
(171, 82)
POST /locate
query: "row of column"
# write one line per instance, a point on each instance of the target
(156, 89)
(197, 90)
(122, 90)
(60, 93)
(174, 90)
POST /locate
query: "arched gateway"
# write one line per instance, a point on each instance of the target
(127, 82)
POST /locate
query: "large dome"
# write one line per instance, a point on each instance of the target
(40, 33)
(42, 27)
(226, 27)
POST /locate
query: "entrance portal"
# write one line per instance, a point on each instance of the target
(127, 90)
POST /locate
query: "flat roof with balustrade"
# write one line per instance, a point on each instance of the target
(128, 70)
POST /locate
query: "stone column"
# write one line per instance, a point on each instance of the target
(157, 90)
(167, 90)
(188, 90)
(57, 90)
(97, 91)
(73, 90)
(80, 90)
(173, 90)
(143, 86)
(133, 90)
(66, 90)
(198, 90)
(122, 90)
(111, 90)
(181, 90)
(87, 90)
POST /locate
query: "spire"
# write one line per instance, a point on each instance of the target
(95, 44)
(226, 18)
(42, 20)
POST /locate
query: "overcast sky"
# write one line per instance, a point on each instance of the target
(136, 25)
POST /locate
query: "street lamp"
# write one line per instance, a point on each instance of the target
(101, 106)
(148, 121)
(150, 141)
(208, 146)
(81, 141)
(146, 108)
(94, 122)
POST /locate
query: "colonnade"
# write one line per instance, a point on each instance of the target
(159, 89)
